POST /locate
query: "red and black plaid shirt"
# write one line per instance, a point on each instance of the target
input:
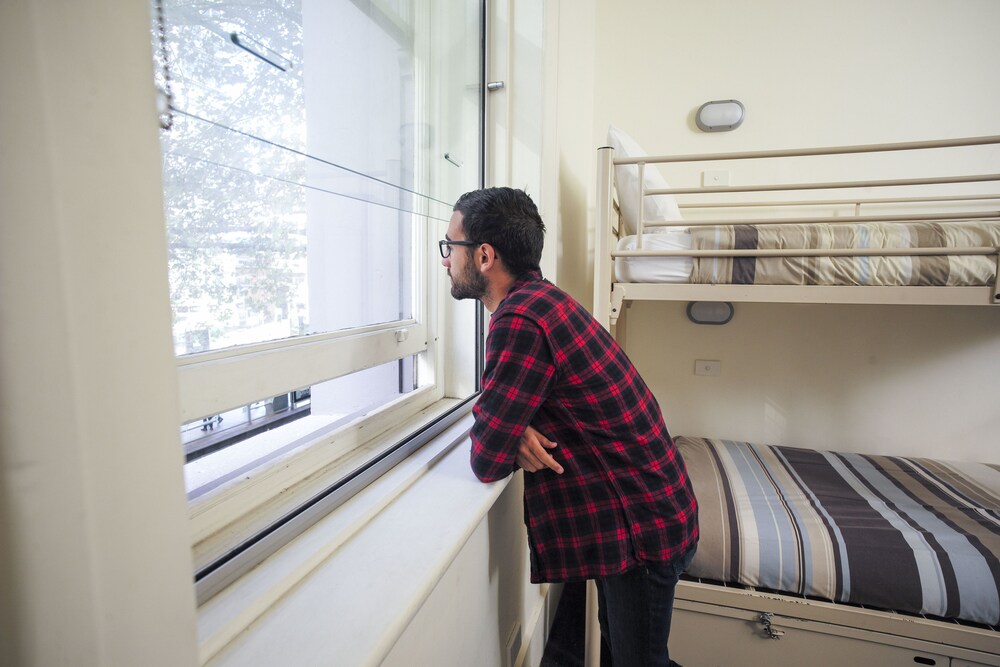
(624, 497)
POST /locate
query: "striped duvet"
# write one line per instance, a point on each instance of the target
(955, 270)
(913, 535)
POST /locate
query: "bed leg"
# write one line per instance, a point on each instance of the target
(592, 629)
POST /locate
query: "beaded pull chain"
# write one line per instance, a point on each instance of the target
(165, 94)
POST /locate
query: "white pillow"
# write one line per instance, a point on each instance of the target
(656, 207)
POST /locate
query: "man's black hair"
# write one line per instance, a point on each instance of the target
(508, 220)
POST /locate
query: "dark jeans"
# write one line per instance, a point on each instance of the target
(635, 609)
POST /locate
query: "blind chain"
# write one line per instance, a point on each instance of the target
(165, 94)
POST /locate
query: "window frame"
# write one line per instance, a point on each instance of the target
(213, 382)
(238, 525)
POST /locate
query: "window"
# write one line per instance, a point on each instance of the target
(311, 157)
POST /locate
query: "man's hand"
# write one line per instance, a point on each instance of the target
(532, 454)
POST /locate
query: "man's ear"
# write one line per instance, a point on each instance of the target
(486, 257)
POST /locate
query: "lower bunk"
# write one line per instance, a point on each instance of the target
(719, 625)
(818, 558)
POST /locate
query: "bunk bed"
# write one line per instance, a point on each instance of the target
(787, 573)
(800, 244)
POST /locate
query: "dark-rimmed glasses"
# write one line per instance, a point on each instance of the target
(445, 246)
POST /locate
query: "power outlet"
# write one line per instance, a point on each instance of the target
(715, 178)
(708, 367)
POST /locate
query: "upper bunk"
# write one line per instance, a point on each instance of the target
(898, 223)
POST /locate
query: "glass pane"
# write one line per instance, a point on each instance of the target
(274, 427)
(296, 168)
(455, 74)
(305, 180)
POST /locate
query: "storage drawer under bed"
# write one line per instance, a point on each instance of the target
(705, 635)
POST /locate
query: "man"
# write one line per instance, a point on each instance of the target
(607, 497)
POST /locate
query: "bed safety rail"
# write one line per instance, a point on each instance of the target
(976, 207)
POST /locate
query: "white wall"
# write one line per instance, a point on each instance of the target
(810, 73)
(570, 41)
(890, 380)
(482, 611)
(95, 564)
(861, 72)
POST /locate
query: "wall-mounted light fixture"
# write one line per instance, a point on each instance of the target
(720, 115)
(710, 312)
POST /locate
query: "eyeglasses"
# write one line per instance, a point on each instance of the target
(445, 246)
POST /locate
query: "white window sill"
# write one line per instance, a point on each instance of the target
(350, 584)
(236, 510)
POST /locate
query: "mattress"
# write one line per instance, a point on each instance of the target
(905, 270)
(907, 534)
(655, 269)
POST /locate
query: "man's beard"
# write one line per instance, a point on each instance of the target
(470, 285)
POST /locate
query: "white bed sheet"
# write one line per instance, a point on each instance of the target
(655, 269)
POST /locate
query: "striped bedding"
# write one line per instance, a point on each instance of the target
(907, 534)
(955, 270)
(904, 270)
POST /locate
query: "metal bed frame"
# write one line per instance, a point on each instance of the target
(610, 296)
(963, 644)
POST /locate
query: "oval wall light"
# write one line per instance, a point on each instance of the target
(720, 115)
(710, 312)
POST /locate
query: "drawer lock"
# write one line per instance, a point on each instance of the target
(769, 631)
